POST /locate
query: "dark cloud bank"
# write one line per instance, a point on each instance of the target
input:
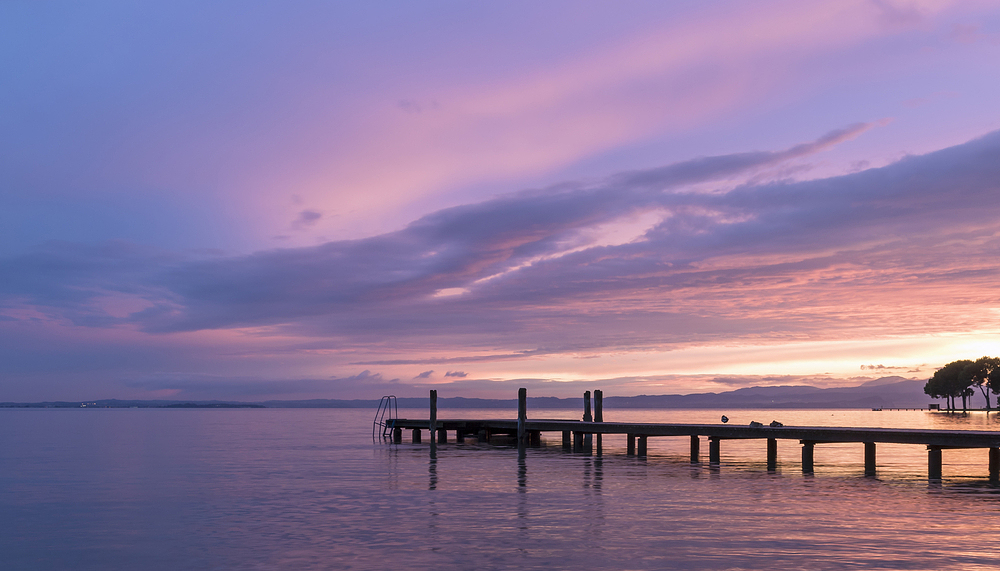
(773, 259)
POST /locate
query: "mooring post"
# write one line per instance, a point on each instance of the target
(695, 448)
(714, 449)
(630, 447)
(933, 462)
(397, 435)
(522, 414)
(869, 458)
(432, 424)
(587, 417)
(995, 465)
(772, 454)
(599, 417)
(642, 444)
(807, 456)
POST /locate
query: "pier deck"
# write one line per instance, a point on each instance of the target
(579, 435)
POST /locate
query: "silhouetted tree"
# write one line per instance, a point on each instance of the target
(950, 382)
(981, 374)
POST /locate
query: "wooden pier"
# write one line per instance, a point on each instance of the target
(579, 435)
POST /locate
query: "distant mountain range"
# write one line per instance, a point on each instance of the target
(887, 392)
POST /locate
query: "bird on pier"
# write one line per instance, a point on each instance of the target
(725, 419)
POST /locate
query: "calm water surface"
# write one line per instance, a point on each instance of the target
(307, 489)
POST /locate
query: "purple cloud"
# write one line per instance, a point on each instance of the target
(768, 259)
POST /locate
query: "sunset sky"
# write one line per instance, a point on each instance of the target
(272, 200)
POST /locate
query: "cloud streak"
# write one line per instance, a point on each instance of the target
(904, 249)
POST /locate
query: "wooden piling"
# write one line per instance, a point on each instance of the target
(587, 417)
(933, 462)
(397, 435)
(807, 456)
(442, 436)
(995, 465)
(714, 450)
(566, 440)
(695, 448)
(535, 437)
(630, 447)
(772, 454)
(869, 459)
(577, 441)
(432, 423)
(416, 436)
(642, 444)
(598, 406)
(522, 414)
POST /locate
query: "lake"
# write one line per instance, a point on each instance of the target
(197, 489)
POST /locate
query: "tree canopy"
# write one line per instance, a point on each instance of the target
(957, 378)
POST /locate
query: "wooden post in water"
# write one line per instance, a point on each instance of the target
(577, 441)
(630, 447)
(442, 436)
(933, 462)
(416, 436)
(642, 444)
(397, 435)
(522, 415)
(995, 465)
(566, 443)
(599, 417)
(870, 459)
(432, 423)
(772, 454)
(587, 417)
(807, 456)
(714, 450)
(695, 448)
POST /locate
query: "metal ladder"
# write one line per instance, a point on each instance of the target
(385, 418)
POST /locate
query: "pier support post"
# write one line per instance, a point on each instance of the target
(870, 459)
(522, 414)
(695, 448)
(714, 449)
(432, 423)
(535, 438)
(397, 435)
(933, 463)
(577, 441)
(642, 445)
(416, 436)
(772, 454)
(995, 465)
(807, 456)
(459, 436)
(630, 447)
(442, 436)
(566, 440)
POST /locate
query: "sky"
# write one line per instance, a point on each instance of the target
(272, 200)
